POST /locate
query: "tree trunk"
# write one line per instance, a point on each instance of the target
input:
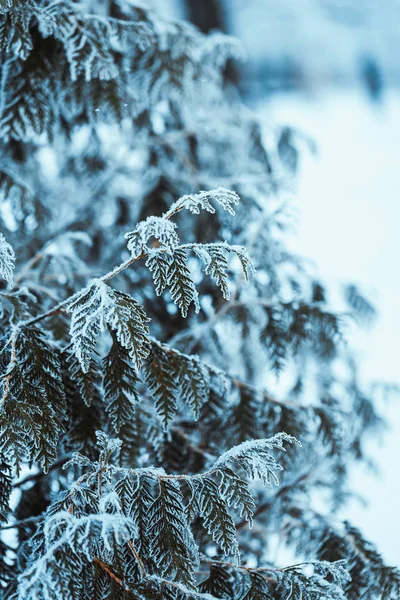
(206, 14)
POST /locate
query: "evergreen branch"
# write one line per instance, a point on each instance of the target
(182, 588)
(13, 362)
(266, 569)
(185, 438)
(178, 586)
(281, 492)
(61, 306)
(244, 454)
(242, 567)
(109, 97)
(238, 383)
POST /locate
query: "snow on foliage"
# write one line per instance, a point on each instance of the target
(163, 232)
(7, 260)
(100, 306)
(166, 541)
(202, 201)
(78, 537)
(256, 459)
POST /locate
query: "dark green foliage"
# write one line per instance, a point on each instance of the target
(219, 582)
(293, 325)
(216, 263)
(325, 582)
(33, 404)
(141, 500)
(6, 487)
(365, 559)
(183, 291)
(194, 382)
(259, 588)
(86, 383)
(246, 415)
(170, 546)
(120, 380)
(99, 306)
(84, 405)
(170, 376)
(237, 494)
(215, 515)
(158, 264)
(162, 383)
(111, 512)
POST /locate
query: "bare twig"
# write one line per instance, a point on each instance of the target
(22, 523)
(41, 474)
(111, 573)
(139, 560)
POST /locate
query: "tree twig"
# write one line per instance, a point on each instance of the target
(36, 476)
(22, 523)
(139, 560)
(62, 305)
(111, 573)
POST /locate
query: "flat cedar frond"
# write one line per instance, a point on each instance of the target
(6, 487)
(33, 400)
(120, 380)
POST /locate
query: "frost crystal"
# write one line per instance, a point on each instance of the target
(202, 201)
(163, 232)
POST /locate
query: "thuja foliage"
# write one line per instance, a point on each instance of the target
(148, 304)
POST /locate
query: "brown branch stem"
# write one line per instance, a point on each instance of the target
(111, 573)
(139, 560)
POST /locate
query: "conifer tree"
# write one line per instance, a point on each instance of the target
(147, 303)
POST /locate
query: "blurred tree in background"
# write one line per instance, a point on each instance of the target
(207, 15)
(305, 45)
(144, 321)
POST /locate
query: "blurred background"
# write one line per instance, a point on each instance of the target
(330, 69)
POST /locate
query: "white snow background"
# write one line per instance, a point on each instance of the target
(349, 203)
